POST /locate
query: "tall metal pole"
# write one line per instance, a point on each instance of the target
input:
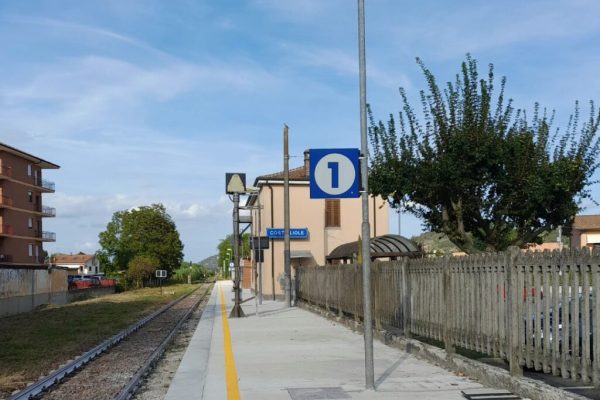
(286, 219)
(254, 263)
(366, 230)
(261, 255)
(236, 311)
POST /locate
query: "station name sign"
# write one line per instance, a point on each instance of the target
(295, 233)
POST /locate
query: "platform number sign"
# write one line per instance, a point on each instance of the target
(334, 173)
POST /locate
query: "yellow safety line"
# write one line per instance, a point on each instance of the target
(233, 390)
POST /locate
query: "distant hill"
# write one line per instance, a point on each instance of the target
(211, 262)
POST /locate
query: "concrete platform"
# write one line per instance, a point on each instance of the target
(293, 354)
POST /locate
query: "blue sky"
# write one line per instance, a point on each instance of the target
(153, 101)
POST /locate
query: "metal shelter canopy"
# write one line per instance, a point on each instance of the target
(386, 246)
(301, 254)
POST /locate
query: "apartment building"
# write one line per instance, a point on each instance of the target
(21, 208)
(325, 223)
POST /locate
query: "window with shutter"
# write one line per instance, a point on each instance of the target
(332, 213)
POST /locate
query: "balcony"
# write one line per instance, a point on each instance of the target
(6, 230)
(5, 258)
(48, 211)
(48, 236)
(45, 185)
(5, 172)
(6, 201)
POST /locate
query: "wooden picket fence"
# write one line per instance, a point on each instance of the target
(502, 305)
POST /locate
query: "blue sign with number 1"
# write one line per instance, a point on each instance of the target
(334, 173)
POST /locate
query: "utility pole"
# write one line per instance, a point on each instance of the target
(286, 219)
(366, 230)
(254, 262)
(260, 254)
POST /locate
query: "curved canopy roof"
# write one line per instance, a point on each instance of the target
(381, 247)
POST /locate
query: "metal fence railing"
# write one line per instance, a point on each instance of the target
(536, 310)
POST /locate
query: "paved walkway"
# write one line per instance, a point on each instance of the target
(293, 354)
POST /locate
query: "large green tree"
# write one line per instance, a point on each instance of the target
(225, 248)
(141, 268)
(143, 231)
(479, 170)
(226, 245)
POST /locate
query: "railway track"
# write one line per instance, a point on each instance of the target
(117, 367)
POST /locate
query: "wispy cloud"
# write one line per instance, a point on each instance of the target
(296, 10)
(342, 63)
(81, 29)
(76, 95)
(452, 31)
(82, 217)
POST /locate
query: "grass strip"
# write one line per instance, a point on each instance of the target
(34, 343)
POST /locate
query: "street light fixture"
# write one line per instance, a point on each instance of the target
(235, 185)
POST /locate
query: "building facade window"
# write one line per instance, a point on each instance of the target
(28, 169)
(30, 249)
(332, 213)
(30, 223)
(30, 196)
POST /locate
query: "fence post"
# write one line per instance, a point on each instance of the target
(596, 316)
(376, 293)
(406, 298)
(340, 290)
(328, 285)
(448, 302)
(514, 295)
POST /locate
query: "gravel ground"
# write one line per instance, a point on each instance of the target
(104, 377)
(157, 384)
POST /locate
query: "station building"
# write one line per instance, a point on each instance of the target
(330, 223)
(21, 208)
(585, 231)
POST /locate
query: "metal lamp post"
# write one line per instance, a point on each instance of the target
(235, 185)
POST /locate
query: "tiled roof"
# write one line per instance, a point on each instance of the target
(41, 162)
(296, 174)
(586, 222)
(68, 259)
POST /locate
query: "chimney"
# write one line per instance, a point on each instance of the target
(307, 162)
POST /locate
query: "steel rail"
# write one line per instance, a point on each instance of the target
(35, 389)
(134, 384)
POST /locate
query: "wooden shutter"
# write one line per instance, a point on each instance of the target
(332, 213)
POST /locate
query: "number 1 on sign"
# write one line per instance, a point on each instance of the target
(335, 173)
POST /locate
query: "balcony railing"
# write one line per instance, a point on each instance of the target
(48, 211)
(48, 236)
(6, 201)
(44, 184)
(6, 230)
(6, 258)
(5, 172)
